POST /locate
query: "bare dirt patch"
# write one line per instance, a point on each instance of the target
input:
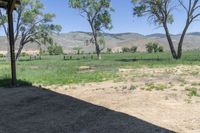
(169, 107)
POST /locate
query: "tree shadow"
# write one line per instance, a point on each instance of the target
(7, 83)
(193, 60)
(38, 110)
(136, 60)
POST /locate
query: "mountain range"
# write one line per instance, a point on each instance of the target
(72, 40)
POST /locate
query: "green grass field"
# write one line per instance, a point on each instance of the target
(55, 70)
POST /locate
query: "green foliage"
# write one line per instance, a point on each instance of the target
(109, 50)
(149, 48)
(101, 41)
(192, 91)
(32, 24)
(160, 49)
(97, 13)
(95, 10)
(153, 47)
(125, 50)
(133, 87)
(55, 50)
(152, 86)
(78, 50)
(1, 55)
(133, 49)
(160, 12)
(41, 52)
(82, 52)
(24, 54)
(154, 9)
(54, 70)
(58, 50)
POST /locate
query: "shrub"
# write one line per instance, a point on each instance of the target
(1, 55)
(192, 91)
(109, 50)
(160, 49)
(132, 87)
(58, 50)
(42, 52)
(78, 50)
(125, 50)
(133, 49)
(155, 47)
(82, 52)
(50, 49)
(159, 87)
(149, 47)
(24, 54)
(152, 47)
(55, 50)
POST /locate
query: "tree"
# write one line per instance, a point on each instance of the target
(149, 47)
(50, 50)
(78, 50)
(97, 13)
(160, 49)
(31, 24)
(125, 50)
(133, 49)
(161, 13)
(58, 50)
(109, 50)
(55, 49)
(153, 47)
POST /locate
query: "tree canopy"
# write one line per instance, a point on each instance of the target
(161, 13)
(31, 24)
(97, 13)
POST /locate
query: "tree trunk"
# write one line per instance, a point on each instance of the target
(19, 51)
(171, 45)
(98, 51)
(8, 50)
(180, 45)
(94, 34)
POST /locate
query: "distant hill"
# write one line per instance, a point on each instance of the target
(115, 41)
(156, 35)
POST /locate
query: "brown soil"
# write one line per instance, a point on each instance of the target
(121, 106)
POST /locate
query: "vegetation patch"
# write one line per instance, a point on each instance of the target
(152, 86)
(133, 87)
(55, 70)
(192, 92)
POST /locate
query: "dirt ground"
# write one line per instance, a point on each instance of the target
(170, 107)
(143, 100)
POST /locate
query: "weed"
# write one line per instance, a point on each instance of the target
(124, 87)
(160, 87)
(195, 84)
(151, 86)
(194, 73)
(133, 87)
(192, 91)
(183, 81)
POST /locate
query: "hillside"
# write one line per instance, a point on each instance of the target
(115, 41)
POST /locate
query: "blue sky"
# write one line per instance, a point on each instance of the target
(123, 20)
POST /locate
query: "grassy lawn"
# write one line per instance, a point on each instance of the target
(55, 70)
